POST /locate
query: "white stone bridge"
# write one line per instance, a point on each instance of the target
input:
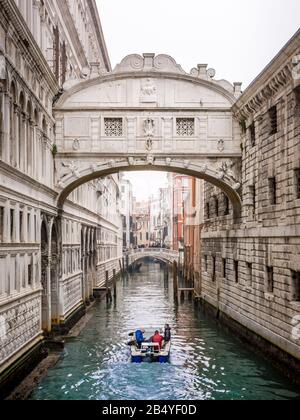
(149, 114)
(164, 255)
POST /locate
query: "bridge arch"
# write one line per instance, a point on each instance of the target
(163, 255)
(212, 174)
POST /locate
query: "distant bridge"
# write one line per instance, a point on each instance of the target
(164, 255)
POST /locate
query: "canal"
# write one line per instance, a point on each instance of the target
(207, 363)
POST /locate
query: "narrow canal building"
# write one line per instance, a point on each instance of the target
(251, 265)
(48, 269)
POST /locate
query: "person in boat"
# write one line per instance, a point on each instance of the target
(157, 338)
(139, 337)
(167, 335)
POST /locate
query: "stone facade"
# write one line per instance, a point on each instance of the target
(50, 260)
(67, 119)
(250, 266)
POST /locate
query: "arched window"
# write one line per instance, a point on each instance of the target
(22, 132)
(216, 206)
(29, 135)
(13, 132)
(36, 117)
(43, 147)
(44, 127)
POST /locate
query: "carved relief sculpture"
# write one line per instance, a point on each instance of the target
(148, 92)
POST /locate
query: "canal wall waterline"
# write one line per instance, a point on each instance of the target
(286, 363)
(19, 379)
(39, 367)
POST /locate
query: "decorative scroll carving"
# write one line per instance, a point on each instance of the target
(221, 145)
(76, 145)
(150, 159)
(161, 63)
(73, 167)
(166, 63)
(226, 171)
(132, 62)
(149, 127)
(186, 164)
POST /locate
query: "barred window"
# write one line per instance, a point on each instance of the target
(273, 117)
(252, 190)
(216, 206)
(297, 183)
(252, 130)
(224, 268)
(236, 271)
(226, 206)
(214, 269)
(185, 127)
(273, 190)
(113, 127)
(206, 263)
(250, 273)
(207, 210)
(270, 279)
(296, 286)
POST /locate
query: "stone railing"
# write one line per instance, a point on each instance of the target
(163, 254)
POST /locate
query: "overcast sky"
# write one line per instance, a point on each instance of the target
(236, 37)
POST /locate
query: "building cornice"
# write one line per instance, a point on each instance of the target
(144, 75)
(25, 179)
(17, 20)
(275, 76)
(70, 25)
(99, 32)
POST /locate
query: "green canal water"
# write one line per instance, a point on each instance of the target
(206, 363)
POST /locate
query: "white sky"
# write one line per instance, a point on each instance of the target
(236, 37)
(146, 184)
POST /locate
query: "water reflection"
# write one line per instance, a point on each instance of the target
(206, 362)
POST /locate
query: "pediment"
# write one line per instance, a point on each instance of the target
(149, 90)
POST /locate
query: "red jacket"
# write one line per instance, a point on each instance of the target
(157, 338)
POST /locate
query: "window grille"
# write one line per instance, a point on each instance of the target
(185, 127)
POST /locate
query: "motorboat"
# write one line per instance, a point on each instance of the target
(150, 352)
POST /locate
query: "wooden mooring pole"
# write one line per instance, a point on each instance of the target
(166, 274)
(108, 291)
(115, 284)
(175, 280)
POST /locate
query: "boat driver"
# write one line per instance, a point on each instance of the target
(139, 337)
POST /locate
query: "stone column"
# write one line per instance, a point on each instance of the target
(83, 263)
(6, 223)
(17, 222)
(30, 144)
(16, 137)
(6, 128)
(1, 117)
(48, 297)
